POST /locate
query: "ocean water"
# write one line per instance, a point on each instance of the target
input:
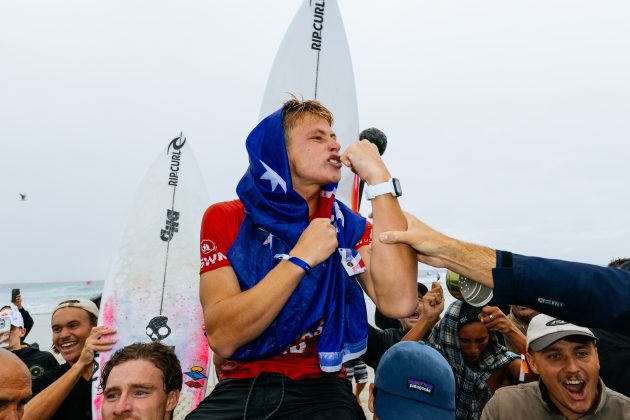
(41, 298)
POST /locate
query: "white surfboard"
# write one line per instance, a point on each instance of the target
(314, 62)
(152, 291)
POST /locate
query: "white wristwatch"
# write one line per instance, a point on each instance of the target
(392, 186)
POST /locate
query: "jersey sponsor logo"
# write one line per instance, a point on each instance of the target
(211, 260)
(318, 26)
(207, 246)
(172, 225)
(176, 144)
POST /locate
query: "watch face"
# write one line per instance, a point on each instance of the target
(397, 188)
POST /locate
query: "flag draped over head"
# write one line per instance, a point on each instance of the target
(471, 386)
(275, 217)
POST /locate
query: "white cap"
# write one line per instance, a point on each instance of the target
(544, 330)
(12, 313)
(82, 303)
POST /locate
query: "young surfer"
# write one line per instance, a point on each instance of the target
(278, 266)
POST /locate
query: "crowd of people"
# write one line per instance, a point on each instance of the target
(287, 323)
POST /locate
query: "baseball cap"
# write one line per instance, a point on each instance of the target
(413, 380)
(13, 315)
(544, 330)
(82, 303)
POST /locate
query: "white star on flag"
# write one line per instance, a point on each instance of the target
(274, 178)
(268, 240)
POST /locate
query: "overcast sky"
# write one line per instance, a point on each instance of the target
(508, 122)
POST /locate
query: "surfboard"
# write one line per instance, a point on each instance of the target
(313, 62)
(152, 290)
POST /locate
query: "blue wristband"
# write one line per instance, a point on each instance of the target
(295, 260)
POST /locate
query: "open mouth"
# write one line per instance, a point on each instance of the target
(576, 389)
(414, 316)
(335, 162)
(68, 347)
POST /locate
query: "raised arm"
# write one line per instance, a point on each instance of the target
(432, 307)
(494, 318)
(45, 404)
(234, 317)
(392, 270)
(438, 250)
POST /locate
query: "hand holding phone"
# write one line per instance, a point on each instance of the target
(14, 295)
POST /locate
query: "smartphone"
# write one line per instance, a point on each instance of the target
(14, 294)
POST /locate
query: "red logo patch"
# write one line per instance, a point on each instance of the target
(207, 246)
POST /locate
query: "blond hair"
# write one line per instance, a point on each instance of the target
(294, 110)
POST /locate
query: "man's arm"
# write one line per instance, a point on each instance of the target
(233, 317)
(494, 318)
(28, 319)
(391, 278)
(558, 288)
(438, 250)
(45, 404)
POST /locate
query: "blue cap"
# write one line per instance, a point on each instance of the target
(413, 380)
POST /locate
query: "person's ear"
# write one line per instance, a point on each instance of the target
(22, 332)
(371, 399)
(172, 399)
(532, 363)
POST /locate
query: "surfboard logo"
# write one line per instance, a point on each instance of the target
(197, 375)
(158, 329)
(207, 246)
(176, 144)
(172, 225)
(318, 26)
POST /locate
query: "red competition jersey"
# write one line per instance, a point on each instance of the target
(219, 229)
